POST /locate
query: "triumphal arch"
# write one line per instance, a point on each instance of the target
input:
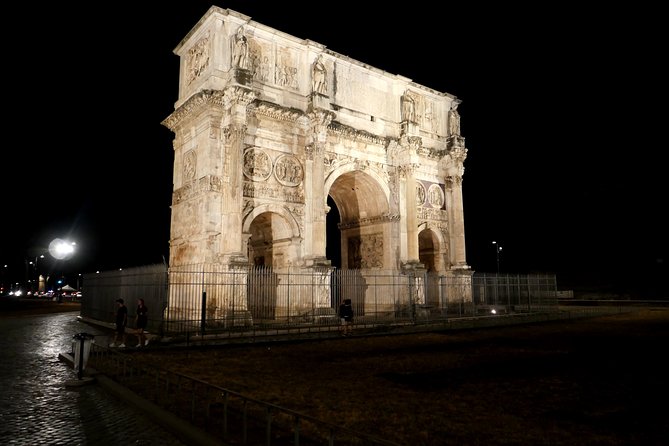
(273, 131)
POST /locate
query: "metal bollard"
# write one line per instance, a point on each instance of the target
(81, 353)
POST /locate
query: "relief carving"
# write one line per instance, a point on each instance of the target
(424, 213)
(285, 74)
(288, 170)
(257, 164)
(258, 62)
(264, 190)
(435, 196)
(420, 193)
(419, 110)
(197, 59)
(190, 165)
(208, 183)
(365, 251)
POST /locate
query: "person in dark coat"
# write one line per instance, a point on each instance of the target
(141, 321)
(121, 322)
(346, 316)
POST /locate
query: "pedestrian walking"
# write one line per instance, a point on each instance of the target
(141, 321)
(346, 316)
(121, 321)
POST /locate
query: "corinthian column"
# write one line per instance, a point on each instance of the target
(236, 101)
(315, 196)
(456, 216)
(407, 192)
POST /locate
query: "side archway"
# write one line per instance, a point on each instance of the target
(272, 236)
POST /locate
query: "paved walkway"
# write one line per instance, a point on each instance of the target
(36, 406)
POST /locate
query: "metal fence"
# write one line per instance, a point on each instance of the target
(146, 282)
(223, 413)
(198, 301)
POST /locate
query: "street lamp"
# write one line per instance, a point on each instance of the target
(41, 256)
(498, 249)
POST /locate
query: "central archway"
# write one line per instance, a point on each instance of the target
(363, 225)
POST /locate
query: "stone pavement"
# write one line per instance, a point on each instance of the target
(38, 408)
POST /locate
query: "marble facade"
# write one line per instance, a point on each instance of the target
(267, 126)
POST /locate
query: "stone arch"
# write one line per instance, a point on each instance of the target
(430, 254)
(351, 167)
(363, 206)
(272, 235)
(428, 248)
(433, 249)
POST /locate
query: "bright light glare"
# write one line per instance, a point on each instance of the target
(60, 249)
(493, 311)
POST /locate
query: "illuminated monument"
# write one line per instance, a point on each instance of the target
(272, 130)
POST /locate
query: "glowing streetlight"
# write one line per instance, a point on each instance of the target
(60, 249)
(498, 249)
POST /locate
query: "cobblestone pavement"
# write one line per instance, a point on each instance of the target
(36, 406)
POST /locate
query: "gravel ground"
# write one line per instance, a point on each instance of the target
(593, 381)
(585, 381)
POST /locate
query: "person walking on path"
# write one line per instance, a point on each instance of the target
(121, 322)
(141, 320)
(346, 316)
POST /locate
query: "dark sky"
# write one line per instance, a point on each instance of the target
(562, 111)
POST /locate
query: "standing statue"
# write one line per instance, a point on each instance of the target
(319, 76)
(240, 50)
(454, 120)
(408, 107)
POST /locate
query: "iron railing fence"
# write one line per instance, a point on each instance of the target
(227, 415)
(514, 293)
(194, 301)
(148, 282)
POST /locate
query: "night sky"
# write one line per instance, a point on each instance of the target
(562, 111)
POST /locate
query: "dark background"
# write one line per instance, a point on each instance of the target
(562, 111)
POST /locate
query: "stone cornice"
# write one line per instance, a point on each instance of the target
(277, 112)
(385, 218)
(345, 131)
(202, 99)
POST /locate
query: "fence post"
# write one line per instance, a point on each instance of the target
(203, 316)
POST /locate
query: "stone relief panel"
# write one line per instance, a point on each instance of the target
(420, 110)
(435, 196)
(420, 193)
(285, 74)
(257, 164)
(260, 64)
(273, 191)
(424, 213)
(208, 183)
(189, 165)
(365, 251)
(197, 59)
(288, 170)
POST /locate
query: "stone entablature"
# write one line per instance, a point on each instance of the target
(287, 70)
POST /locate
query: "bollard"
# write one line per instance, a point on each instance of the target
(81, 352)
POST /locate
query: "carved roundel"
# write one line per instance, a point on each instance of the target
(257, 164)
(420, 194)
(435, 196)
(288, 170)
